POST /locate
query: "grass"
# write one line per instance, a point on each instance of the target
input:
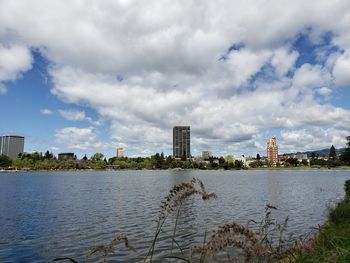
(232, 242)
(332, 242)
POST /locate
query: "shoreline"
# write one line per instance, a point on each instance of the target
(344, 168)
(331, 243)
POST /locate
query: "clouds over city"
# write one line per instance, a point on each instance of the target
(235, 71)
(79, 138)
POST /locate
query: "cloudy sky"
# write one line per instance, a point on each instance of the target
(91, 75)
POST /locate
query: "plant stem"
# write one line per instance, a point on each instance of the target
(174, 232)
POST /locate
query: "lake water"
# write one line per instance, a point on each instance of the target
(47, 215)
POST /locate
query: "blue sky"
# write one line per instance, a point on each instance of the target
(123, 73)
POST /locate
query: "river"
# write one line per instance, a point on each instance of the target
(48, 215)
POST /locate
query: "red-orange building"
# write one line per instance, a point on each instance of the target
(272, 151)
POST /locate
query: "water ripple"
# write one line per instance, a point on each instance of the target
(44, 216)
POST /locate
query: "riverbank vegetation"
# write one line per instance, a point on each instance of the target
(332, 242)
(37, 161)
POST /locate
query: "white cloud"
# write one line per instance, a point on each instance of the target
(145, 66)
(72, 115)
(284, 60)
(245, 63)
(79, 138)
(311, 76)
(13, 60)
(46, 111)
(324, 91)
(341, 70)
(312, 139)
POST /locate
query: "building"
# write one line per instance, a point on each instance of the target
(206, 155)
(300, 156)
(120, 152)
(272, 151)
(66, 156)
(11, 146)
(181, 142)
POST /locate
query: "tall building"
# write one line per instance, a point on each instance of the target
(181, 142)
(206, 155)
(272, 151)
(120, 152)
(11, 146)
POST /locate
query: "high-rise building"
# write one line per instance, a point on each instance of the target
(272, 151)
(11, 146)
(206, 155)
(181, 142)
(120, 152)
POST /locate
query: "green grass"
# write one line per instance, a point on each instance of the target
(332, 243)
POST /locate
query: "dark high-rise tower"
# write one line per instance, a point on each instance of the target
(181, 142)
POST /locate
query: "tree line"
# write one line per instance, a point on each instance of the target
(47, 161)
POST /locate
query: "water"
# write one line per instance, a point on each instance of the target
(47, 215)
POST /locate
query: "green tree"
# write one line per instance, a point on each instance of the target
(258, 157)
(345, 157)
(48, 155)
(97, 157)
(332, 152)
(292, 161)
(35, 156)
(5, 161)
(238, 164)
(304, 162)
(221, 160)
(255, 164)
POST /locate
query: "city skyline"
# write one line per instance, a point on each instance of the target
(252, 73)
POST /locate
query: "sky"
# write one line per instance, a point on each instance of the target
(88, 76)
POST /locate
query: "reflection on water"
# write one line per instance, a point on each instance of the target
(45, 215)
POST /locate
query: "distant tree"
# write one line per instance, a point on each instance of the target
(256, 164)
(313, 155)
(292, 161)
(97, 157)
(35, 156)
(332, 152)
(221, 160)
(5, 161)
(85, 158)
(48, 155)
(170, 162)
(157, 161)
(318, 162)
(304, 162)
(214, 165)
(258, 157)
(345, 157)
(238, 164)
